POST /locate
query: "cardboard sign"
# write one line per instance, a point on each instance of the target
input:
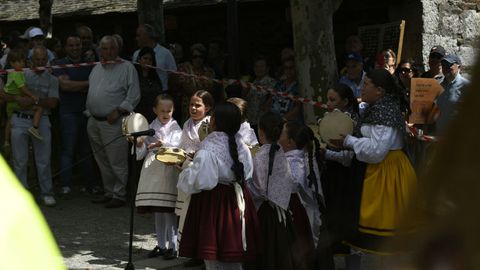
(423, 92)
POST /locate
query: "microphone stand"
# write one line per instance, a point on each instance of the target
(133, 190)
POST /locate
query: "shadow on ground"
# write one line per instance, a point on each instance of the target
(91, 236)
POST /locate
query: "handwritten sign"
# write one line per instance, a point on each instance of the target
(423, 92)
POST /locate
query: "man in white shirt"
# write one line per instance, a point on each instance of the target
(113, 91)
(146, 37)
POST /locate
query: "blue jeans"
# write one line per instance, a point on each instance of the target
(74, 139)
(42, 151)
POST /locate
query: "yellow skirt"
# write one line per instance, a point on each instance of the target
(387, 189)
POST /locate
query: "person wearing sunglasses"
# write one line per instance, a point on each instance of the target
(434, 63)
(453, 87)
(405, 71)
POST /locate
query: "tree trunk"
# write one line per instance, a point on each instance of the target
(45, 16)
(151, 12)
(314, 50)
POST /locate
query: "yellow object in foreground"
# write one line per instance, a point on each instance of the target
(25, 239)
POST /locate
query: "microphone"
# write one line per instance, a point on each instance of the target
(148, 132)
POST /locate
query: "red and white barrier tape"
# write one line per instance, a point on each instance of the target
(420, 136)
(86, 64)
(414, 131)
(248, 85)
(224, 82)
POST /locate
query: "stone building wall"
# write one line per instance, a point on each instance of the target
(455, 25)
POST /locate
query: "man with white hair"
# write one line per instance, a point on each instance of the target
(113, 91)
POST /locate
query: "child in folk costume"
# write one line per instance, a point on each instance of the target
(221, 226)
(297, 140)
(246, 131)
(157, 187)
(201, 103)
(271, 187)
(338, 185)
(389, 181)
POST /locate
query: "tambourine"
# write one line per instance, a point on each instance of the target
(134, 122)
(204, 130)
(333, 125)
(171, 155)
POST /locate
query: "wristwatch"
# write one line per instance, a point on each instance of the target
(36, 101)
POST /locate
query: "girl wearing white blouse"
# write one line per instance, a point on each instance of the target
(389, 181)
(201, 104)
(221, 226)
(271, 187)
(157, 187)
(246, 131)
(297, 140)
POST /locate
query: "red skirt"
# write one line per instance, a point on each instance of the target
(213, 228)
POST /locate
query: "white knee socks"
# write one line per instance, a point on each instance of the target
(166, 230)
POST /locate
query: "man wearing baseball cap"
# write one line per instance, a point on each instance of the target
(355, 76)
(435, 68)
(36, 37)
(453, 84)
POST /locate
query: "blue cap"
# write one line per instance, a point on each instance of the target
(452, 59)
(354, 56)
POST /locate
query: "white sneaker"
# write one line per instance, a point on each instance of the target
(65, 190)
(49, 200)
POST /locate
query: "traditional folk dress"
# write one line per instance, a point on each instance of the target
(221, 223)
(271, 187)
(248, 134)
(304, 207)
(389, 181)
(339, 190)
(190, 142)
(157, 187)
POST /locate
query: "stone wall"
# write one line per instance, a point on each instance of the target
(455, 25)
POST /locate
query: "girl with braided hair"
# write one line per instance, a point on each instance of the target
(298, 142)
(221, 225)
(271, 188)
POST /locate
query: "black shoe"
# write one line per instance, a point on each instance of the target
(156, 251)
(193, 263)
(114, 203)
(101, 199)
(170, 254)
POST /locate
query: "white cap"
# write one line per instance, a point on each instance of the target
(35, 32)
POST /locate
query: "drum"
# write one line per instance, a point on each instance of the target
(204, 130)
(134, 122)
(171, 155)
(333, 125)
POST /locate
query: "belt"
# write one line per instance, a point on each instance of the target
(23, 115)
(102, 119)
